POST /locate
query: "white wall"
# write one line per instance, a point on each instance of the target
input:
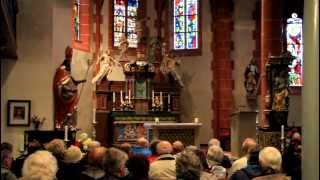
(42, 34)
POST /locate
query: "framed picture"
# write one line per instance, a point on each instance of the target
(19, 112)
(140, 89)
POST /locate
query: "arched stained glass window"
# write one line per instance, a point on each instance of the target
(124, 21)
(186, 24)
(295, 47)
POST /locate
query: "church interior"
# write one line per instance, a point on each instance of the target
(118, 71)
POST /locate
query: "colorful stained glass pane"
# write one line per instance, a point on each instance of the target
(131, 25)
(179, 22)
(179, 41)
(192, 7)
(117, 37)
(192, 40)
(295, 47)
(192, 23)
(76, 19)
(119, 23)
(133, 40)
(179, 7)
(119, 8)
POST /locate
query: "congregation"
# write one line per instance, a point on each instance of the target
(157, 160)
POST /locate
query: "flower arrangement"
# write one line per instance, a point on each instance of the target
(37, 121)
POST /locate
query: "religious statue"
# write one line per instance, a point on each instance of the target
(280, 97)
(251, 78)
(109, 67)
(123, 47)
(65, 93)
(169, 66)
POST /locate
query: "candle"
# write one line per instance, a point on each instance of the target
(129, 95)
(65, 133)
(161, 102)
(121, 99)
(168, 98)
(156, 120)
(196, 120)
(113, 97)
(282, 131)
(93, 116)
(152, 98)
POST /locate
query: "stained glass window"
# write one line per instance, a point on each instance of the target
(295, 47)
(185, 23)
(125, 17)
(76, 19)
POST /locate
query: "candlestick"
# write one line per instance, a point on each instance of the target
(168, 98)
(156, 120)
(282, 131)
(113, 97)
(93, 116)
(161, 101)
(152, 98)
(65, 133)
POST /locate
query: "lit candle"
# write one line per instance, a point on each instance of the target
(168, 98)
(156, 120)
(93, 116)
(282, 131)
(65, 133)
(113, 97)
(152, 95)
(196, 120)
(121, 98)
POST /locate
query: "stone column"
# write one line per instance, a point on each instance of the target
(271, 29)
(310, 91)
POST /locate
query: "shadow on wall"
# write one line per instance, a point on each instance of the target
(186, 99)
(6, 67)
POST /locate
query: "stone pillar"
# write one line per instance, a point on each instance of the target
(310, 91)
(271, 29)
(222, 67)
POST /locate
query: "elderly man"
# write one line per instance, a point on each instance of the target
(164, 167)
(114, 164)
(142, 147)
(226, 162)
(177, 147)
(248, 146)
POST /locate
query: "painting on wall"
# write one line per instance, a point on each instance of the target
(140, 89)
(129, 132)
(19, 112)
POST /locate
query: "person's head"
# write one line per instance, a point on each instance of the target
(56, 147)
(214, 142)
(34, 146)
(188, 165)
(126, 147)
(215, 155)
(249, 145)
(96, 156)
(114, 161)
(143, 142)
(6, 158)
(40, 165)
(72, 155)
(164, 147)
(138, 166)
(153, 146)
(201, 155)
(68, 52)
(177, 147)
(296, 137)
(93, 144)
(6, 145)
(270, 158)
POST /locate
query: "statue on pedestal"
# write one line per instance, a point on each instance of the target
(169, 67)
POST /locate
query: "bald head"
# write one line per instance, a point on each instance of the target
(164, 147)
(249, 145)
(143, 142)
(97, 155)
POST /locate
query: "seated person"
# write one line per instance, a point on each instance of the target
(142, 147)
